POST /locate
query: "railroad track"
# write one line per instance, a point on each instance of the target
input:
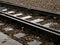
(18, 32)
(37, 22)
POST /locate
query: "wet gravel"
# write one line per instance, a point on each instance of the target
(52, 5)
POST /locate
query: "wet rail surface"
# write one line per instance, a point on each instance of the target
(34, 17)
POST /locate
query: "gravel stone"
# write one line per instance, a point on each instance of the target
(51, 5)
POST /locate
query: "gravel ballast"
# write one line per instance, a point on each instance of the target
(45, 5)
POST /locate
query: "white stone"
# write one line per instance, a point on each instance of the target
(15, 15)
(19, 35)
(34, 43)
(10, 12)
(26, 17)
(37, 20)
(4, 10)
(8, 28)
(47, 25)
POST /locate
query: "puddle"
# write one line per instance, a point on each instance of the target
(35, 42)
